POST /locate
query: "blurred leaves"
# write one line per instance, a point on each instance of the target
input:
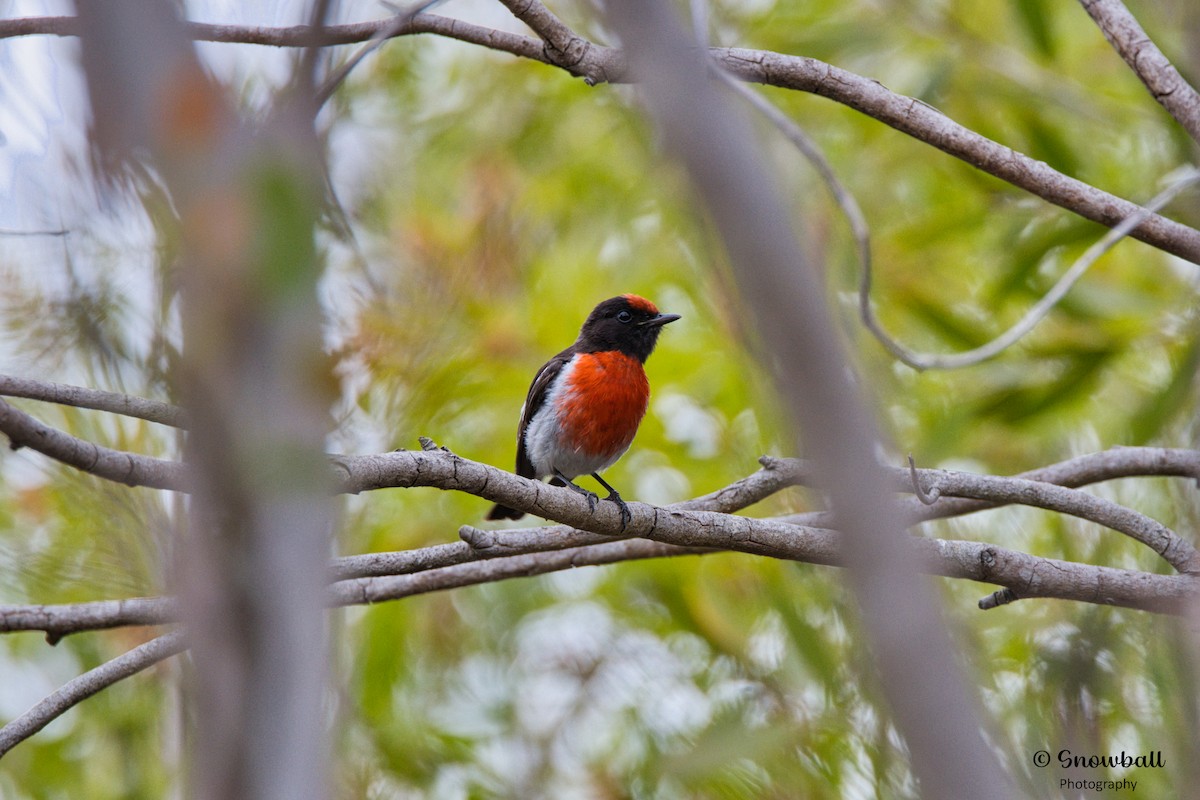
(493, 203)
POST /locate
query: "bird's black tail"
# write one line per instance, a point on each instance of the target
(504, 512)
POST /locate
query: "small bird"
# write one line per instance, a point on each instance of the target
(586, 403)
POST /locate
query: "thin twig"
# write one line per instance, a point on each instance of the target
(12, 232)
(926, 497)
(89, 683)
(397, 25)
(812, 152)
(1037, 312)
(96, 399)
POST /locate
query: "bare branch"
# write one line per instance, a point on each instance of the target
(563, 47)
(866, 95)
(1153, 68)
(477, 543)
(688, 534)
(927, 124)
(1175, 550)
(305, 35)
(1026, 575)
(96, 399)
(89, 683)
(448, 471)
(1118, 462)
(398, 24)
(103, 462)
(394, 587)
(57, 621)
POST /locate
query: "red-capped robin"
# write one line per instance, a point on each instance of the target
(586, 403)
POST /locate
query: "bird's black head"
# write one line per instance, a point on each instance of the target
(628, 323)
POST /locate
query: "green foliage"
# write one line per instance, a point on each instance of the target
(499, 202)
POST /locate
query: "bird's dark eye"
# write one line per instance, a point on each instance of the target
(624, 316)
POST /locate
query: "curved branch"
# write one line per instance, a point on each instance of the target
(81, 397)
(1036, 313)
(103, 462)
(1177, 552)
(686, 528)
(1152, 67)
(89, 683)
(1027, 577)
(445, 470)
(865, 95)
(397, 25)
(927, 124)
(478, 544)
(1107, 465)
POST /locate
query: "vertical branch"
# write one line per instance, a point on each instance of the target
(251, 573)
(928, 694)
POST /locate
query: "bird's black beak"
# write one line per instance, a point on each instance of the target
(659, 321)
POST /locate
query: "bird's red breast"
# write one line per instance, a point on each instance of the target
(602, 402)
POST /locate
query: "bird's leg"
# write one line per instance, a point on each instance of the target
(616, 498)
(591, 496)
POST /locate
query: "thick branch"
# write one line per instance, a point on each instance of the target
(676, 530)
(927, 124)
(444, 470)
(1026, 575)
(563, 47)
(863, 94)
(1149, 63)
(479, 544)
(89, 683)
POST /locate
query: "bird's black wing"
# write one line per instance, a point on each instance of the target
(536, 398)
(538, 391)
